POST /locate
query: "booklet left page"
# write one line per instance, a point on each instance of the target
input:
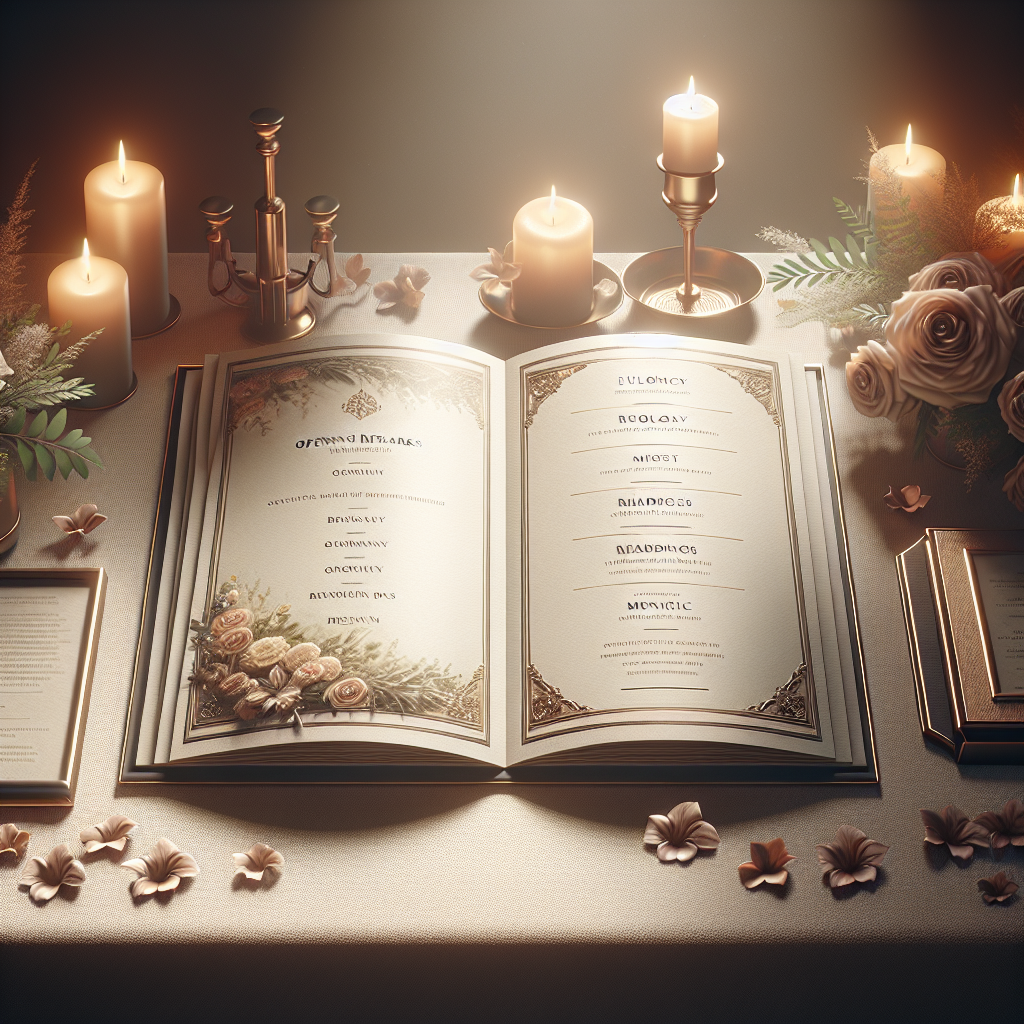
(345, 588)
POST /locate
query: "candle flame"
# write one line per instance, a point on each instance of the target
(551, 206)
(1016, 188)
(85, 260)
(690, 92)
(120, 159)
(910, 142)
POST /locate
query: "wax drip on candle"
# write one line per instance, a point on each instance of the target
(120, 159)
(551, 206)
(910, 143)
(690, 92)
(85, 260)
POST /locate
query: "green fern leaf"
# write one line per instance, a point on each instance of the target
(56, 427)
(81, 466)
(38, 426)
(63, 461)
(45, 460)
(28, 459)
(857, 222)
(88, 453)
(15, 424)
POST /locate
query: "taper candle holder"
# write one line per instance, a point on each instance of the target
(277, 298)
(690, 281)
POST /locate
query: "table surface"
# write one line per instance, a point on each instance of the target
(491, 864)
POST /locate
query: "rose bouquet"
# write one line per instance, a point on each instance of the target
(949, 356)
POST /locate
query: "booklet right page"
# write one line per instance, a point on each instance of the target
(659, 553)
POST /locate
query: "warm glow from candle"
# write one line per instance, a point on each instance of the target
(910, 142)
(551, 206)
(1016, 189)
(120, 159)
(85, 259)
(690, 92)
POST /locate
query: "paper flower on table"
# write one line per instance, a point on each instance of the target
(259, 859)
(356, 275)
(160, 870)
(851, 857)
(45, 875)
(679, 834)
(952, 828)
(997, 889)
(113, 832)
(505, 272)
(13, 840)
(1004, 827)
(406, 288)
(83, 520)
(767, 864)
(909, 498)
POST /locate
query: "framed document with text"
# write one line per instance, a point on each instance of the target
(51, 621)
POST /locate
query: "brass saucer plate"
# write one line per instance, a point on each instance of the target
(173, 312)
(497, 299)
(726, 279)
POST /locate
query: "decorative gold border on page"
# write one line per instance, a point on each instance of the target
(787, 701)
(762, 384)
(547, 702)
(759, 384)
(541, 386)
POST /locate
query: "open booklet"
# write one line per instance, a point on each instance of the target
(385, 558)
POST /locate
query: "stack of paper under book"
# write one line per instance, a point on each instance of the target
(387, 558)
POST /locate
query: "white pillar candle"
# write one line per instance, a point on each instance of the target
(920, 169)
(1006, 214)
(126, 218)
(553, 241)
(92, 292)
(690, 133)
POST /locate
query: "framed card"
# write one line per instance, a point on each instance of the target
(50, 627)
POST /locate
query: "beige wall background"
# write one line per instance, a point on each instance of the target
(434, 120)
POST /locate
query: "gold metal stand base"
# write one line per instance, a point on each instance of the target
(725, 280)
(10, 538)
(172, 318)
(267, 334)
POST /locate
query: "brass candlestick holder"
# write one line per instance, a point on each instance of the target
(277, 298)
(690, 281)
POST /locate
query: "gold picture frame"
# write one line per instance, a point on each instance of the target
(55, 787)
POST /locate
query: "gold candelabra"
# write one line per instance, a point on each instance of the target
(277, 298)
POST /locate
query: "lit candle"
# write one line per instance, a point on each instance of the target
(92, 292)
(690, 133)
(126, 218)
(921, 170)
(553, 241)
(1006, 215)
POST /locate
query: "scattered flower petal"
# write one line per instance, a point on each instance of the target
(113, 832)
(952, 827)
(851, 857)
(1004, 827)
(998, 888)
(909, 498)
(160, 870)
(679, 834)
(83, 520)
(406, 288)
(13, 840)
(259, 859)
(45, 875)
(356, 274)
(767, 864)
(497, 267)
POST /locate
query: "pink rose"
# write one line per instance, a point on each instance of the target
(347, 693)
(959, 270)
(1011, 405)
(229, 620)
(233, 641)
(874, 384)
(1013, 485)
(950, 347)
